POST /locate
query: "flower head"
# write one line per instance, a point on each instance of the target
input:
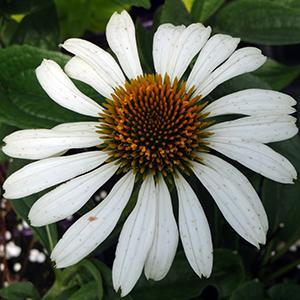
(153, 126)
(153, 129)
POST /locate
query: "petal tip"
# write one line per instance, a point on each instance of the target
(262, 58)
(208, 29)
(47, 61)
(58, 266)
(116, 286)
(5, 140)
(206, 274)
(4, 148)
(124, 292)
(237, 40)
(8, 195)
(34, 220)
(34, 224)
(124, 12)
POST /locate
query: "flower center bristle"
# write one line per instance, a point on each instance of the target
(153, 126)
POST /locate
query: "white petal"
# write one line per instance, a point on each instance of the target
(194, 229)
(69, 197)
(164, 41)
(243, 185)
(77, 126)
(99, 60)
(62, 90)
(241, 61)
(235, 207)
(135, 239)
(45, 173)
(165, 241)
(42, 143)
(218, 48)
(120, 35)
(175, 46)
(78, 69)
(262, 129)
(94, 227)
(252, 102)
(259, 158)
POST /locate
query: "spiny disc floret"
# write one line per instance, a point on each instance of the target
(152, 125)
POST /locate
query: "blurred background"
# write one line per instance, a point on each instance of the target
(31, 30)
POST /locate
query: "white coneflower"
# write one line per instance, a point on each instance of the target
(152, 127)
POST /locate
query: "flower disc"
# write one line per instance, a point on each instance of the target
(153, 125)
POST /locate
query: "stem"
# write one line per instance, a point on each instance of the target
(265, 258)
(51, 244)
(267, 253)
(283, 270)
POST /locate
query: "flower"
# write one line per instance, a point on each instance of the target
(152, 129)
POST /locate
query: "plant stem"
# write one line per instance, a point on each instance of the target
(283, 270)
(51, 245)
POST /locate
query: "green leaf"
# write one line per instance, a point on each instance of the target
(23, 103)
(109, 292)
(138, 3)
(260, 21)
(85, 292)
(65, 284)
(74, 17)
(75, 280)
(284, 291)
(145, 40)
(62, 294)
(8, 28)
(181, 283)
(228, 272)
(282, 200)
(175, 12)
(20, 291)
(3, 157)
(249, 291)
(78, 16)
(277, 75)
(203, 9)
(289, 3)
(93, 270)
(22, 207)
(290, 149)
(39, 28)
(188, 4)
(20, 7)
(282, 206)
